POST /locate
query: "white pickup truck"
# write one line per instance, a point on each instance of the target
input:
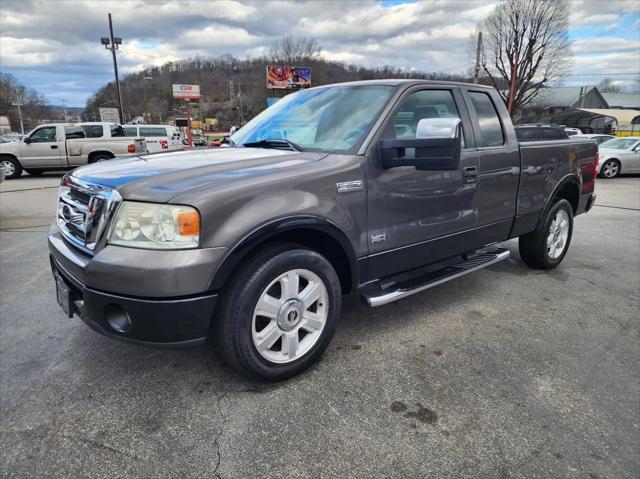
(63, 146)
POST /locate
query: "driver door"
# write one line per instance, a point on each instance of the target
(416, 217)
(43, 150)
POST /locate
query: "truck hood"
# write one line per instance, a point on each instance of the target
(11, 147)
(159, 177)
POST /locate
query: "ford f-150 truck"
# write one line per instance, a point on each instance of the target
(62, 146)
(385, 188)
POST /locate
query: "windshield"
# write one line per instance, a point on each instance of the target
(332, 119)
(620, 143)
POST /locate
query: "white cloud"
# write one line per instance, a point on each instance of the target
(48, 42)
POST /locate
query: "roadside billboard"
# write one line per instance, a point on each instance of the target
(188, 92)
(283, 77)
(110, 115)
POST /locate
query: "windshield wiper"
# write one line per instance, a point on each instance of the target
(274, 143)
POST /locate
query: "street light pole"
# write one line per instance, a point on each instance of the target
(18, 103)
(112, 43)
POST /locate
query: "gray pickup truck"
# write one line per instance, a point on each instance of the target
(385, 188)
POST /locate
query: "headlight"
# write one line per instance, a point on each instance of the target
(155, 226)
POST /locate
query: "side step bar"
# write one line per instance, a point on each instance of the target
(429, 280)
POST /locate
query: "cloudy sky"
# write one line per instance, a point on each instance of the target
(54, 45)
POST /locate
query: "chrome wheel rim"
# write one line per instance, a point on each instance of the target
(610, 169)
(9, 167)
(558, 234)
(290, 315)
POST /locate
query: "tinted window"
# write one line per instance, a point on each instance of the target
(93, 131)
(552, 134)
(44, 135)
(131, 130)
(116, 130)
(73, 132)
(420, 105)
(148, 131)
(526, 134)
(487, 118)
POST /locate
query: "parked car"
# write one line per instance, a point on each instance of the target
(157, 137)
(540, 132)
(60, 146)
(253, 245)
(11, 137)
(598, 137)
(573, 131)
(620, 155)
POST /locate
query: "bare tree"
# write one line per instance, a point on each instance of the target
(607, 85)
(291, 49)
(526, 41)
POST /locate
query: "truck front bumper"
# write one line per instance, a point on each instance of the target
(171, 321)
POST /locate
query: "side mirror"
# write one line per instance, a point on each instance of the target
(27, 140)
(436, 147)
(233, 130)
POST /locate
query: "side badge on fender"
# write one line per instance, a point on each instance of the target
(348, 186)
(378, 238)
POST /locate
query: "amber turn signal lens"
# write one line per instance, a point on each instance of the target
(189, 223)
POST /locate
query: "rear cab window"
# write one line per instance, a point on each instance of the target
(93, 131)
(117, 131)
(73, 132)
(131, 130)
(486, 120)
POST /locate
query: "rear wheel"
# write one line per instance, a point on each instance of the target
(101, 157)
(546, 247)
(610, 169)
(12, 167)
(279, 313)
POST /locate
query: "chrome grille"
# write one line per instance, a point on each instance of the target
(84, 212)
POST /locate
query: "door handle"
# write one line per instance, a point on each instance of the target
(54, 147)
(470, 174)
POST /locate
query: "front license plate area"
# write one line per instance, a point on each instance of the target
(63, 295)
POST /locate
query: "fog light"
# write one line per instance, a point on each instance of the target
(118, 318)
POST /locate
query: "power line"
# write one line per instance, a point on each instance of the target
(602, 74)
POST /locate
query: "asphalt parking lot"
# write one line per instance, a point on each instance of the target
(506, 372)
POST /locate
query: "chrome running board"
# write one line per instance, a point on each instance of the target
(401, 290)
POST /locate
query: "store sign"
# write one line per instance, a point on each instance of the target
(109, 115)
(189, 92)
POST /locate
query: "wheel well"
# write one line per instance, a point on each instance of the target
(317, 240)
(9, 156)
(93, 154)
(571, 192)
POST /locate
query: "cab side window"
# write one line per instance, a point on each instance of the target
(73, 132)
(44, 135)
(488, 121)
(417, 106)
(117, 131)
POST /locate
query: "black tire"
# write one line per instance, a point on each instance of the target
(233, 325)
(12, 167)
(101, 157)
(610, 169)
(33, 172)
(533, 246)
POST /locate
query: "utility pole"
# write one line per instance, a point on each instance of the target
(18, 103)
(112, 43)
(512, 87)
(476, 73)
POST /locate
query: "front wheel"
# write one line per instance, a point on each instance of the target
(279, 313)
(610, 169)
(12, 167)
(546, 247)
